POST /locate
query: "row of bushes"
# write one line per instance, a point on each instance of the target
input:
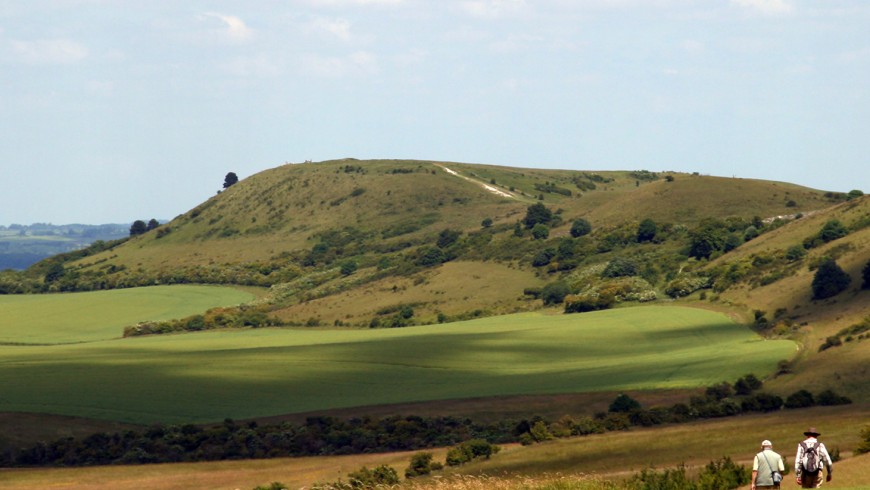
(331, 436)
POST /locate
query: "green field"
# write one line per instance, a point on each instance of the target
(240, 374)
(102, 315)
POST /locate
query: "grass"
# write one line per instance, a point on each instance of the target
(579, 463)
(241, 374)
(101, 315)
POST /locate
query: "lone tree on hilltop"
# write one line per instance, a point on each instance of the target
(830, 280)
(153, 224)
(230, 180)
(138, 227)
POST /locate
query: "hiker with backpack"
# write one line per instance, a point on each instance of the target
(767, 468)
(811, 459)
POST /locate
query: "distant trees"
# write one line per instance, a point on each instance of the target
(138, 227)
(230, 180)
(707, 238)
(830, 280)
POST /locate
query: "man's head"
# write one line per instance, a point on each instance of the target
(812, 432)
(765, 444)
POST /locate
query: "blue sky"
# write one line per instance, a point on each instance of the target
(112, 111)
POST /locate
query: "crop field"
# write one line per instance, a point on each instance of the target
(101, 315)
(209, 376)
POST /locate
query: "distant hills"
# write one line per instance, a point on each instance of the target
(23, 245)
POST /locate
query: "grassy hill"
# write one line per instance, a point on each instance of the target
(351, 243)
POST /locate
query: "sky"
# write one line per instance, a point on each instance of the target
(113, 111)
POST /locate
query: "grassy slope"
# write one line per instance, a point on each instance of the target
(85, 317)
(845, 367)
(614, 455)
(183, 378)
(280, 210)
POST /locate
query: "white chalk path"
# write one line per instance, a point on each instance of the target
(486, 186)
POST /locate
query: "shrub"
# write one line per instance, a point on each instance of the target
(580, 227)
(469, 451)
(723, 474)
(832, 230)
(761, 402)
(747, 384)
(431, 256)
(686, 285)
(421, 464)
(623, 403)
(830, 280)
(486, 223)
(864, 446)
(540, 231)
(348, 267)
(646, 230)
(829, 398)
(537, 213)
(800, 399)
(832, 341)
(366, 478)
(589, 301)
(795, 253)
(620, 267)
(554, 293)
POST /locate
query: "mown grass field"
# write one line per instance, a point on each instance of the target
(209, 376)
(101, 315)
(555, 465)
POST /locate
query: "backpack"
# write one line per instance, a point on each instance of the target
(810, 461)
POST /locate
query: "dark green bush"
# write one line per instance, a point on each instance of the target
(829, 280)
(800, 399)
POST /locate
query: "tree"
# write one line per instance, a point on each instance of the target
(55, 272)
(348, 267)
(833, 230)
(620, 267)
(830, 280)
(555, 292)
(486, 223)
(447, 237)
(854, 193)
(623, 403)
(139, 227)
(537, 214)
(709, 237)
(153, 224)
(580, 227)
(540, 231)
(646, 230)
(230, 180)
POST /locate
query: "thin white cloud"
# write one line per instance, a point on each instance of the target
(47, 51)
(233, 27)
(768, 7)
(359, 62)
(356, 2)
(337, 28)
(492, 8)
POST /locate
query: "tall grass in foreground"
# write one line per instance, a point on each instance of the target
(470, 482)
(546, 482)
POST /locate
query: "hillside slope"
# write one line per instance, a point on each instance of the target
(398, 242)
